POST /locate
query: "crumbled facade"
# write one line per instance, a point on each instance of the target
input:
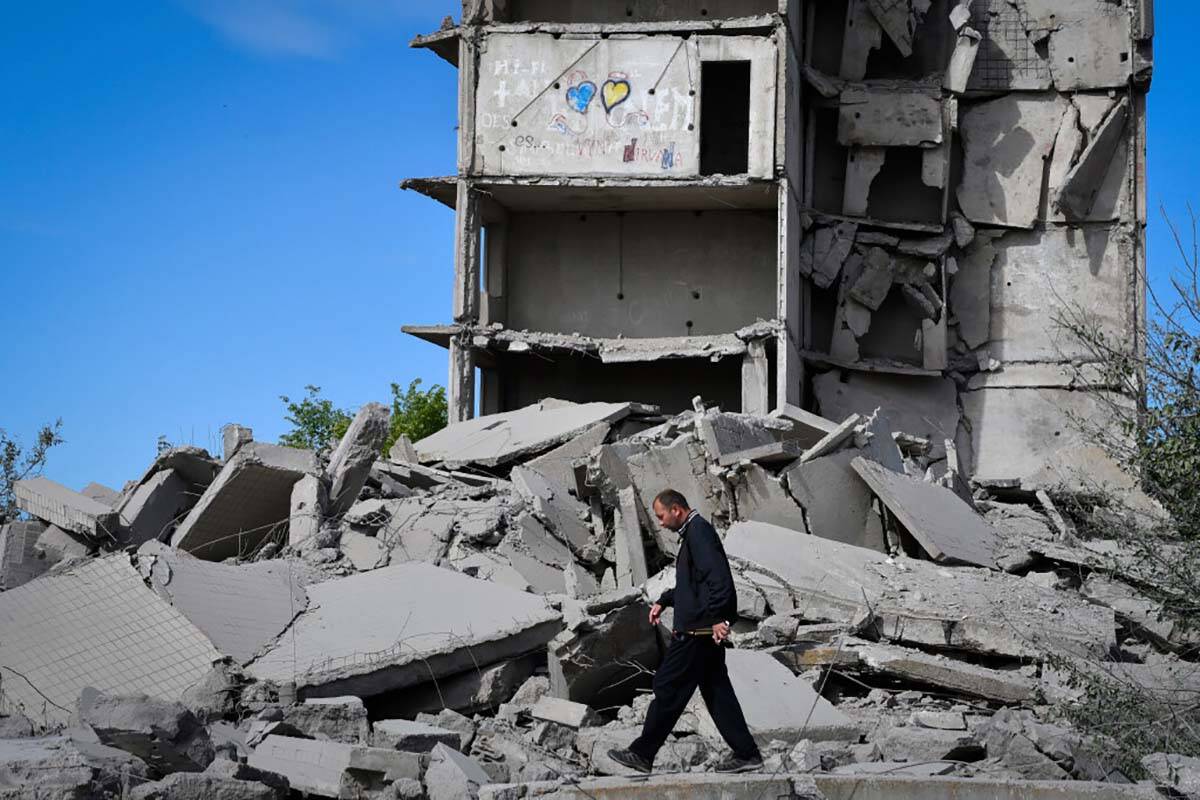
(755, 200)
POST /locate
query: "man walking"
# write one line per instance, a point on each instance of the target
(705, 604)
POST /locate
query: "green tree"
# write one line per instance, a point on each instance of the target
(316, 422)
(416, 413)
(17, 464)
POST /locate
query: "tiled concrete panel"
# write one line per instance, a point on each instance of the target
(20, 560)
(240, 608)
(96, 625)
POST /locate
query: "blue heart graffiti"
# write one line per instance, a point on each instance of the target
(579, 96)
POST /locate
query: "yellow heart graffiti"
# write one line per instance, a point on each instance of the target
(614, 92)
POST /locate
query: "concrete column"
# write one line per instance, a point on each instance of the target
(466, 254)
(461, 400)
(790, 299)
(755, 379)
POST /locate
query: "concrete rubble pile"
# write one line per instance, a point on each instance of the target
(474, 624)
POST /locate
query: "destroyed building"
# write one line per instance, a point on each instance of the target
(819, 305)
(815, 203)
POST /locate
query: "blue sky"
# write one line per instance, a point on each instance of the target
(199, 211)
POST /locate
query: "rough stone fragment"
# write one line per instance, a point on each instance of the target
(240, 608)
(356, 452)
(562, 514)
(1006, 143)
(919, 406)
(558, 464)
(362, 551)
(501, 438)
(152, 508)
(20, 559)
(597, 663)
(424, 622)
(411, 736)
(327, 768)
(563, 712)
(43, 498)
(307, 502)
(71, 765)
(946, 527)
(166, 735)
(336, 719)
(453, 776)
(776, 703)
(248, 498)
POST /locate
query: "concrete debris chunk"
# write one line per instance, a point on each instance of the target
(563, 712)
(889, 117)
(204, 786)
(919, 406)
(836, 502)
(823, 253)
(1175, 772)
(776, 703)
(906, 664)
(307, 505)
(682, 466)
(328, 769)
(250, 496)
(725, 434)
(149, 511)
(55, 545)
(70, 765)
(1080, 186)
(56, 504)
(862, 35)
(834, 440)
(362, 551)
(762, 496)
(166, 735)
(425, 622)
(807, 428)
(101, 493)
(631, 567)
(335, 719)
(241, 608)
(497, 439)
(946, 527)
(875, 280)
(20, 559)
(411, 736)
(356, 452)
(563, 514)
(603, 661)
(478, 690)
(453, 776)
(233, 436)
(920, 603)
(557, 465)
(962, 61)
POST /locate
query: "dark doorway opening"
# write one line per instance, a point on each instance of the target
(724, 117)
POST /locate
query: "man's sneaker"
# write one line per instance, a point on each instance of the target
(628, 758)
(735, 763)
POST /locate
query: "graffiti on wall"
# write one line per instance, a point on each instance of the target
(628, 108)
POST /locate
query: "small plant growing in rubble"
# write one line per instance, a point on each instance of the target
(1153, 430)
(317, 424)
(416, 413)
(16, 464)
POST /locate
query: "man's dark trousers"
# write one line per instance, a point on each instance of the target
(693, 662)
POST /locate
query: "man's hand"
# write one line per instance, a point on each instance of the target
(655, 612)
(720, 632)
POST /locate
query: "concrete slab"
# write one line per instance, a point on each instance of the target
(43, 498)
(556, 508)
(888, 116)
(893, 787)
(833, 441)
(502, 438)
(1006, 143)
(150, 511)
(57, 544)
(836, 501)
(410, 736)
(920, 406)
(307, 503)
(452, 775)
(682, 466)
(917, 667)
(248, 499)
(337, 719)
(362, 551)
(240, 608)
(597, 663)
(20, 559)
(424, 621)
(917, 602)
(777, 704)
(678, 786)
(320, 767)
(67, 766)
(631, 569)
(724, 434)
(945, 526)
(479, 690)
(761, 497)
(234, 436)
(417, 530)
(101, 494)
(558, 464)
(807, 428)
(98, 625)
(563, 712)
(351, 461)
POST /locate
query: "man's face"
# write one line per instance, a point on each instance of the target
(670, 518)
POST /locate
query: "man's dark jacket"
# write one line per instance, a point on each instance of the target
(704, 594)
